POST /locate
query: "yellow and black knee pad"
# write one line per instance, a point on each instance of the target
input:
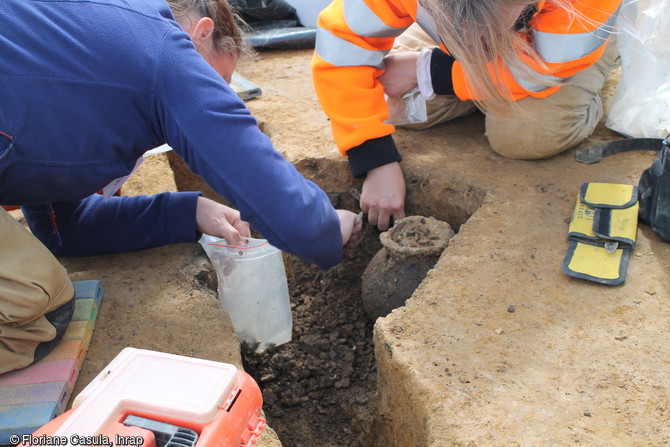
(602, 233)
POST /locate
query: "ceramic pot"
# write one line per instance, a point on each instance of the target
(409, 250)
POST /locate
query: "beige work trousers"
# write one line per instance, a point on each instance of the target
(32, 283)
(540, 128)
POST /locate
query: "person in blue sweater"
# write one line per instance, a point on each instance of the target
(86, 88)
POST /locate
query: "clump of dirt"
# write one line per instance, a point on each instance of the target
(319, 389)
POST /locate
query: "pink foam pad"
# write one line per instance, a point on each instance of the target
(42, 372)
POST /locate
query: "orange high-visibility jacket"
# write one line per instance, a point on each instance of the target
(353, 36)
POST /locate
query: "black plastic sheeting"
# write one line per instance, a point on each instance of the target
(274, 25)
(281, 34)
(253, 10)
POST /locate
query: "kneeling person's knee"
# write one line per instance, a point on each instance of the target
(522, 142)
(36, 296)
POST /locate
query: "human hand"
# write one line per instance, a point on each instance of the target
(400, 75)
(350, 225)
(221, 221)
(383, 195)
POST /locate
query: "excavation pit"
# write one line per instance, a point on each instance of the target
(320, 388)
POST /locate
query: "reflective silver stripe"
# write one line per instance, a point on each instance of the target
(341, 53)
(531, 86)
(427, 23)
(558, 48)
(364, 22)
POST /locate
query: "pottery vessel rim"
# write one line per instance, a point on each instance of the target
(438, 227)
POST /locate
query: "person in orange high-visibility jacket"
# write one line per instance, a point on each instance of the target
(534, 67)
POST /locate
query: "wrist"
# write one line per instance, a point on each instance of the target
(372, 154)
(423, 74)
(441, 64)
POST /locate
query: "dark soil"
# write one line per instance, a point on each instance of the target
(319, 389)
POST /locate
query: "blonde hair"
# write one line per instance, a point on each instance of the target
(228, 26)
(477, 32)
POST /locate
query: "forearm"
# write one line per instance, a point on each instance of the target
(353, 38)
(95, 226)
(292, 213)
(353, 99)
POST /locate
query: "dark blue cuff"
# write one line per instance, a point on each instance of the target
(440, 72)
(372, 154)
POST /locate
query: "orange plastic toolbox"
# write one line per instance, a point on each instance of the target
(160, 400)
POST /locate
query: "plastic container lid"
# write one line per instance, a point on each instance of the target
(163, 384)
